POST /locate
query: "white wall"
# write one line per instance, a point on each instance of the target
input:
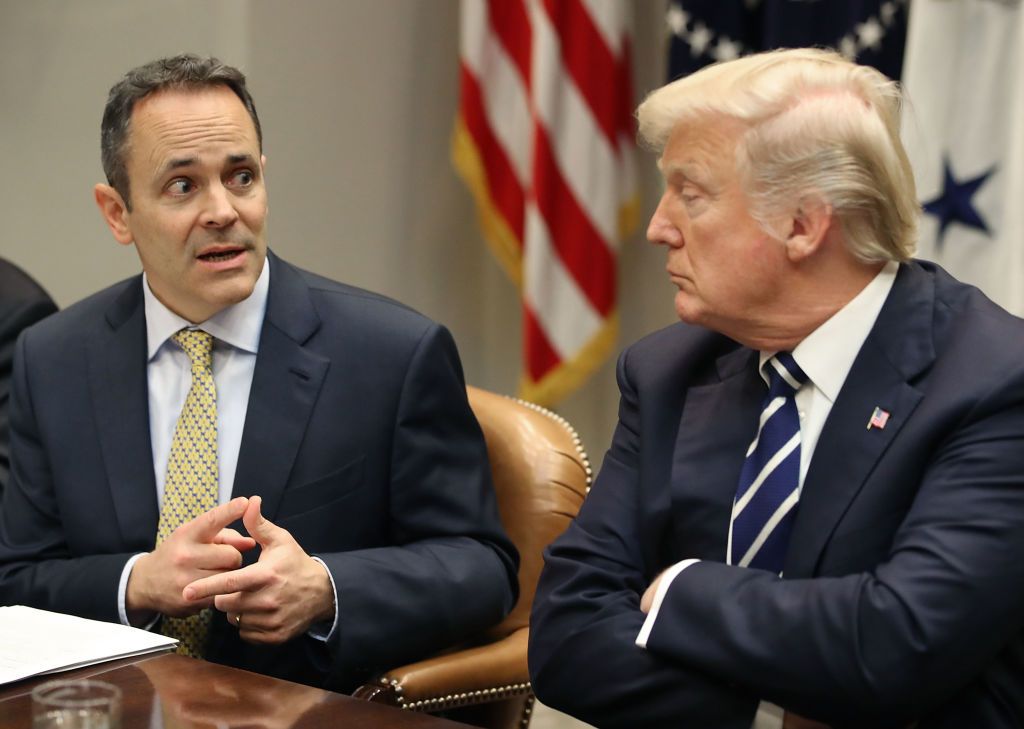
(357, 100)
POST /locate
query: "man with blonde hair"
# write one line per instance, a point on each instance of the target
(812, 510)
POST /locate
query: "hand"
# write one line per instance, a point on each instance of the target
(648, 598)
(280, 596)
(196, 549)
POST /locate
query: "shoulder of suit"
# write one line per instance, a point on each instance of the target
(959, 303)
(84, 316)
(680, 339)
(677, 354)
(17, 288)
(334, 299)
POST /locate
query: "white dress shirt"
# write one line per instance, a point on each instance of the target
(236, 338)
(826, 355)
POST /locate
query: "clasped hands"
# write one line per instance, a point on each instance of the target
(200, 566)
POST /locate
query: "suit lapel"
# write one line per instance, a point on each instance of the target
(718, 423)
(285, 386)
(898, 348)
(117, 373)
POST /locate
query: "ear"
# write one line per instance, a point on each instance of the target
(114, 212)
(263, 164)
(811, 223)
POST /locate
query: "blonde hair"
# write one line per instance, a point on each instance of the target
(815, 125)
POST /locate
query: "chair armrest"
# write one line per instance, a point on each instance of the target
(471, 676)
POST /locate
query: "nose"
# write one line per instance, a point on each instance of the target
(661, 230)
(219, 210)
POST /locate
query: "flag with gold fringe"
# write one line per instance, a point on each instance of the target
(544, 140)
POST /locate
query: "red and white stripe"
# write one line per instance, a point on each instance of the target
(544, 139)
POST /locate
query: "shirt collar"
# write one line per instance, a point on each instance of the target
(827, 354)
(238, 325)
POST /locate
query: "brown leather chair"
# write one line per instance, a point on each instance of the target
(541, 476)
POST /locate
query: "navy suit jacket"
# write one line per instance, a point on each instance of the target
(358, 436)
(903, 595)
(22, 302)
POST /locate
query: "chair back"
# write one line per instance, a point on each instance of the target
(541, 476)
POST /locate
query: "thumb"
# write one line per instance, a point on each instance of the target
(259, 528)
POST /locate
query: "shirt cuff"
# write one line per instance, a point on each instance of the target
(316, 631)
(666, 580)
(122, 592)
(769, 716)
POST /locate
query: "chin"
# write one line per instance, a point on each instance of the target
(234, 292)
(687, 309)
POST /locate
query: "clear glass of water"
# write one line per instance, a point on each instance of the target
(84, 704)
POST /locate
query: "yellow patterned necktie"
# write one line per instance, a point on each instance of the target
(192, 477)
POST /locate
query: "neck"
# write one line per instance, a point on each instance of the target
(814, 295)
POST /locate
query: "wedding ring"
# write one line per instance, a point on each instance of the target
(238, 620)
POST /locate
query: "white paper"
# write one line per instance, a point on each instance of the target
(34, 642)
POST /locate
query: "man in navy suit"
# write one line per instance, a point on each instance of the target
(844, 548)
(23, 302)
(345, 445)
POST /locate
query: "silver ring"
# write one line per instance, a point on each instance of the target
(238, 620)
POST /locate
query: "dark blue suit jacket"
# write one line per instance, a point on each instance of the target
(903, 596)
(358, 437)
(22, 303)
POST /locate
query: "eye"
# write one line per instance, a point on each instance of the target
(241, 178)
(180, 186)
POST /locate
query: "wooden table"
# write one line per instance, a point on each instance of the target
(175, 692)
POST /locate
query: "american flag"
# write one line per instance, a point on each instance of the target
(544, 140)
(878, 419)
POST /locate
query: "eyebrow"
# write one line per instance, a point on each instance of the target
(179, 162)
(687, 169)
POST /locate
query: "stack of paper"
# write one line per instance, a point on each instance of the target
(33, 642)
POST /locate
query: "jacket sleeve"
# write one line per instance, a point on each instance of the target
(38, 566)
(586, 615)
(451, 571)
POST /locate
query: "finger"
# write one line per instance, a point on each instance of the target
(249, 603)
(265, 532)
(234, 619)
(251, 620)
(231, 604)
(260, 628)
(234, 539)
(247, 579)
(206, 526)
(216, 557)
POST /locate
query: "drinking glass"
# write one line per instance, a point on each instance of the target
(84, 704)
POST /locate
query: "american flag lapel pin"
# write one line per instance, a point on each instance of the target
(878, 419)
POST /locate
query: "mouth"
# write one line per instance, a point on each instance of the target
(680, 281)
(221, 254)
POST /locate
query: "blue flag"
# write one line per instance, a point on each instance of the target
(872, 32)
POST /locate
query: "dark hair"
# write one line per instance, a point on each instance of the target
(186, 71)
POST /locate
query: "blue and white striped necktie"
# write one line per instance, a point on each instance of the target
(766, 500)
